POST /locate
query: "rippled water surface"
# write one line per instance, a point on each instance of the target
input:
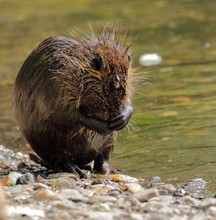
(175, 115)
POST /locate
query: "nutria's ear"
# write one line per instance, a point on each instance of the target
(97, 63)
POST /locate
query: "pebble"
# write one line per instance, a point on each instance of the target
(114, 192)
(145, 195)
(70, 194)
(155, 179)
(59, 183)
(40, 186)
(207, 203)
(101, 189)
(163, 192)
(32, 213)
(103, 207)
(63, 174)
(87, 192)
(128, 179)
(27, 178)
(19, 189)
(44, 194)
(195, 185)
(180, 192)
(103, 198)
(169, 187)
(212, 211)
(136, 216)
(133, 187)
(13, 177)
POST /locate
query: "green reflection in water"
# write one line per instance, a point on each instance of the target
(174, 115)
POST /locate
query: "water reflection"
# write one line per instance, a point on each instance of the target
(175, 115)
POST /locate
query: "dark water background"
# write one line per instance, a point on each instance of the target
(175, 115)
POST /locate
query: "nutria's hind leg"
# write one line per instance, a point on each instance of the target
(101, 162)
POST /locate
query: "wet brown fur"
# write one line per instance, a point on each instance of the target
(57, 79)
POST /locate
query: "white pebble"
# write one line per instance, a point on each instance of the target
(12, 178)
(19, 155)
(150, 59)
(21, 210)
(133, 187)
(145, 195)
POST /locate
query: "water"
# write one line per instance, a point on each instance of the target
(174, 115)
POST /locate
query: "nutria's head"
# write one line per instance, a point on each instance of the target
(99, 70)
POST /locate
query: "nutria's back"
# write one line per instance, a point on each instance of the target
(71, 96)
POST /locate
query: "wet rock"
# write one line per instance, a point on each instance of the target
(179, 192)
(27, 178)
(9, 159)
(145, 195)
(19, 156)
(196, 187)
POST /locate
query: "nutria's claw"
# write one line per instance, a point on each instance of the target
(121, 120)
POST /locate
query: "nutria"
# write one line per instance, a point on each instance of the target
(72, 95)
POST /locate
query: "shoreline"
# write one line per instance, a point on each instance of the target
(117, 196)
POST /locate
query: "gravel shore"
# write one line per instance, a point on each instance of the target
(29, 192)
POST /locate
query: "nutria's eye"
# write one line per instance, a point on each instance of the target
(97, 63)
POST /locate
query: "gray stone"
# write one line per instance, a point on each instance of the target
(145, 195)
(27, 178)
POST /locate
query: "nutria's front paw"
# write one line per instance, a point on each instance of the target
(121, 120)
(102, 127)
(99, 126)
